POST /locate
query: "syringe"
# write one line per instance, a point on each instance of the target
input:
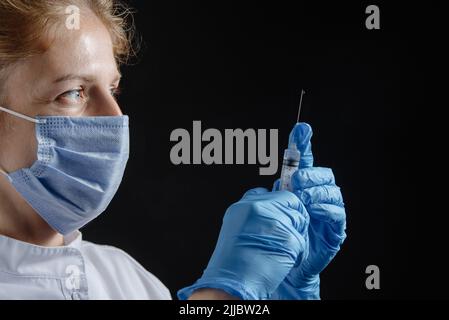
(290, 163)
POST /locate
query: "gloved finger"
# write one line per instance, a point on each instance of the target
(333, 234)
(301, 209)
(283, 201)
(305, 219)
(254, 191)
(311, 177)
(301, 135)
(285, 198)
(330, 194)
(329, 213)
(276, 185)
(296, 210)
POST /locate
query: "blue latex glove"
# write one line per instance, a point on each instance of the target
(316, 189)
(262, 237)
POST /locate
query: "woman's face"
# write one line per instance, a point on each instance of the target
(77, 76)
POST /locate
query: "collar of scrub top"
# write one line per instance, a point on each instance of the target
(25, 259)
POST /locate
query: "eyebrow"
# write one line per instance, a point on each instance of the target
(71, 76)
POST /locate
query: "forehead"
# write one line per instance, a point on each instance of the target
(85, 51)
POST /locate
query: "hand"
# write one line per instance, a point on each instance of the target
(262, 237)
(316, 189)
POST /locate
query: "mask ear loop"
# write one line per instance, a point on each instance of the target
(22, 116)
(5, 174)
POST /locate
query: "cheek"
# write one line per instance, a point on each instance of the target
(18, 145)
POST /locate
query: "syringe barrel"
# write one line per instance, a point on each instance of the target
(290, 164)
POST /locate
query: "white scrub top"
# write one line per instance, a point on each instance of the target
(77, 270)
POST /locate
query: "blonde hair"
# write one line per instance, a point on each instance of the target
(24, 25)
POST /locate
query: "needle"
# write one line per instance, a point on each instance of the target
(300, 103)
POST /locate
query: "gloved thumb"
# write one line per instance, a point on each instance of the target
(301, 135)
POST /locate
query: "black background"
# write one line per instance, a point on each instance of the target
(239, 66)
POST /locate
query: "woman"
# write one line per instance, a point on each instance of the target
(63, 150)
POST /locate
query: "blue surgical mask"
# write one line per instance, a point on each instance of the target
(80, 164)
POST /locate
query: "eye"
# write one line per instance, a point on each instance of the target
(115, 91)
(72, 96)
